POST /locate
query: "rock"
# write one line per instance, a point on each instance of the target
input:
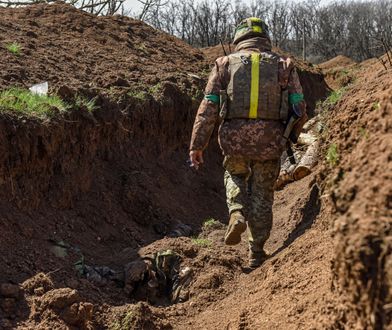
(9, 290)
(78, 313)
(59, 298)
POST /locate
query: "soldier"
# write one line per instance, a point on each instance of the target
(258, 96)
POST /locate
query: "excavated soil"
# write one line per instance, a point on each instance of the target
(360, 189)
(103, 188)
(339, 71)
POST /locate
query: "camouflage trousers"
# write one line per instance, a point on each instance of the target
(250, 188)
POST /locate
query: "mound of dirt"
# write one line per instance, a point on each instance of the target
(359, 181)
(337, 62)
(75, 51)
(339, 71)
(312, 79)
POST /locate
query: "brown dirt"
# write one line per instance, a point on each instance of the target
(337, 62)
(311, 77)
(81, 52)
(111, 183)
(360, 190)
(339, 71)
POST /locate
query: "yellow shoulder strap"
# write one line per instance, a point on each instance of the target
(254, 86)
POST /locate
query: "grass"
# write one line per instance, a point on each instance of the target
(83, 102)
(334, 97)
(208, 223)
(126, 322)
(143, 94)
(155, 89)
(24, 102)
(14, 48)
(140, 95)
(203, 242)
(332, 155)
(376, 105)
(363, 133)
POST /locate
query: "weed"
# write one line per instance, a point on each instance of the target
(344, 72)
(140, 95)
(14, 48)
(142, 48)
(363, 132)
(201, 242)
(334, 97)
(126, 322)
(143, 94)
(155, 89)
(333, 155)
(376, 106)
(84, 102)
(208, 223)
(27, 103)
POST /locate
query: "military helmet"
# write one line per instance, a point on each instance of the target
(250, 27)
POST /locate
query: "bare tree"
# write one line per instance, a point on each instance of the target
(315, 31)
(97, 7)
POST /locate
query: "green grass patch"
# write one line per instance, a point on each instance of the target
(376, 105)
(140, 95)
(209, 223)
(203, 242)
(145, 92)
(363, 132)
(334, 97)
(332, 155)
(155, 89)
(14, 48)
(25, 102)
(84, 102)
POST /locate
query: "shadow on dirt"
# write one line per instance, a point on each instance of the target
(308, 214)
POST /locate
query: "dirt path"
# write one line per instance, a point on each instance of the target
(285, 293)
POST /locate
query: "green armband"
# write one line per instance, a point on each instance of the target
(295, 98)
(212, 97)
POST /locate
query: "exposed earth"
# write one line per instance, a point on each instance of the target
(86, 193)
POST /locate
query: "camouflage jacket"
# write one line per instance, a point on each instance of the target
(252, 138)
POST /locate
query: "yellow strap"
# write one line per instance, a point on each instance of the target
(254, 86)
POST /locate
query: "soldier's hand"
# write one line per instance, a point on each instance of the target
(196, 158)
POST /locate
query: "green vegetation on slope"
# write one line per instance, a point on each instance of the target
(27, 103)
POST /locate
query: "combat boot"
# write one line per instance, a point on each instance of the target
(237, 226)
(256, 259)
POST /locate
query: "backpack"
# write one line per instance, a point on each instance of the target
(254, 91)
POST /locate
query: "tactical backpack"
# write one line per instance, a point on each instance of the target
(254, 91)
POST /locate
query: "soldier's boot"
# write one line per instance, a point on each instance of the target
(256, 259)
(237, 226)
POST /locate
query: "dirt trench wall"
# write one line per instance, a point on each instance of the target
(360, 128)
(104, 181)
(56, 159)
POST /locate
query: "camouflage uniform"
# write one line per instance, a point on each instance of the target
(252, 147)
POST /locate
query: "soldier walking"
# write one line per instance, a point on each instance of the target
(259, 100)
